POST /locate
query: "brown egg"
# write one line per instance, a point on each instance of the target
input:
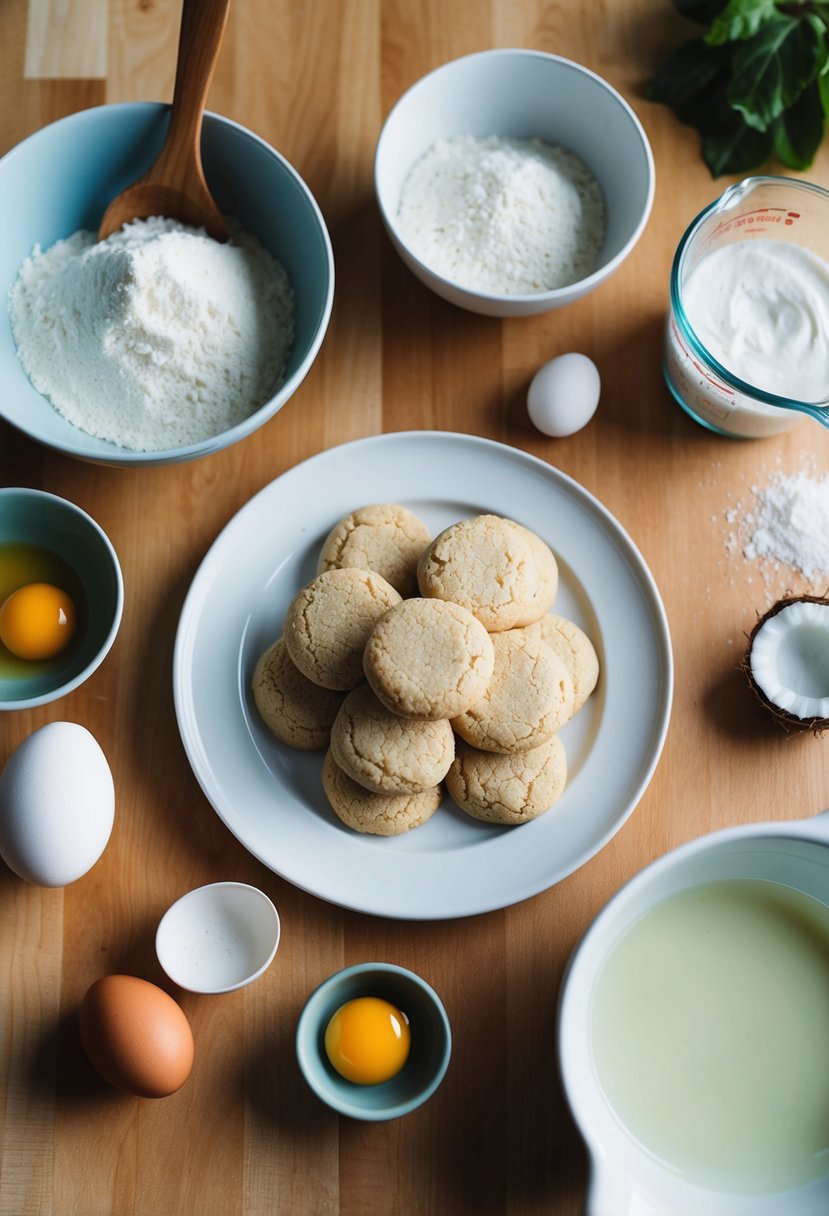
(136, 1036)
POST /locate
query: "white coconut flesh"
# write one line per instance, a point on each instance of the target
(790, 659)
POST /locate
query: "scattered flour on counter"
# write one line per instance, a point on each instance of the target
(157, 337)
(790, 526)
(781, 530)
(504, 216)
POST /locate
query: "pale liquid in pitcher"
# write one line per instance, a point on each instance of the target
(710, 1034)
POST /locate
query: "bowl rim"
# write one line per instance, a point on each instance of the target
(523, 298)
(307, 1032)
(94, 663)
(115, 456)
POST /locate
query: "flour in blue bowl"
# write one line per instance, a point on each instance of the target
(157, 337)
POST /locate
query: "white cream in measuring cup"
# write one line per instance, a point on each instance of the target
(693, 1030)
(747, 339)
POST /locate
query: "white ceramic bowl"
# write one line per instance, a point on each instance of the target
(94, 154)
(524, 94)
(218, 938)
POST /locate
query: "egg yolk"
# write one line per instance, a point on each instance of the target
(37, 621)
(367, 1040)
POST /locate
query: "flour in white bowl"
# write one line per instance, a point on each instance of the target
(503, 216)
(157, 337)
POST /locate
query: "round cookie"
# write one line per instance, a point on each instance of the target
(487, 565)
(386, 753)
(375, 814)
(328, 624)
(383, 537)
(507, 789)
(428, 659)
(299, 712)
(574, 646)
(529, 698)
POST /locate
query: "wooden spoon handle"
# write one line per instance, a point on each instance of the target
(202, 28)
(175, 185)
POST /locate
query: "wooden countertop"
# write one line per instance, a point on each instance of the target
(245, 1135)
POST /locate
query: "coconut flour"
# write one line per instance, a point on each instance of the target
(157, 337)
(791, 525)
(505, 216)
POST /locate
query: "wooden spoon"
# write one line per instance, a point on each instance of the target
(174, 186)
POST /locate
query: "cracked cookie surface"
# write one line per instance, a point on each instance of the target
(383, 537)
(328, 624)
(386, 753)
(507, 789)
(546, 567)
(294, 709)
(487, 565)
(574, 646)
(429, 659)
(375, 814)
(529, 697)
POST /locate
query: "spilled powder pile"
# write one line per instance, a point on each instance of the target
(791, 525)
(157, 337)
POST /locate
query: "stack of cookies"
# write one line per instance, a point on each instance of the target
(419, 661)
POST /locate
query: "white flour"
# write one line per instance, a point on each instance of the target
(157, 337)
(505, 216)
(791, 525)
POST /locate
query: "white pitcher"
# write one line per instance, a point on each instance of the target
(627, 1180)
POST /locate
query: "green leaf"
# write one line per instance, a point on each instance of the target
(701, 11)
(757, 82)
(710, 113)
(773, 68)
(736, 148)
(687, 71)
(798, 133)
(740, 19)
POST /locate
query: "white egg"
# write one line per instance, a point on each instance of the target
(57, 805)
(563, 395)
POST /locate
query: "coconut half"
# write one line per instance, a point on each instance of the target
(787, 663)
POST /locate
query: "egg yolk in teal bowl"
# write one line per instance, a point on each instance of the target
(38, 607)
(367, 1040)
(37, 621)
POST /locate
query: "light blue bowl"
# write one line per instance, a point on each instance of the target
(431, 1042)
(60, 180)
(33, 517)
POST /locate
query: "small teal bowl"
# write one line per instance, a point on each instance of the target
(44, 521)
(431, 1042)
(90, 156)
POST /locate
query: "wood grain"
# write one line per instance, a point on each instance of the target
(66, 39)
(245, 1137)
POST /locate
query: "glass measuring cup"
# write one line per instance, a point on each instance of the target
(626, 1178)
(772, 208)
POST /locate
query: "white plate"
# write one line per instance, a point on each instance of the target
(271, 797)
